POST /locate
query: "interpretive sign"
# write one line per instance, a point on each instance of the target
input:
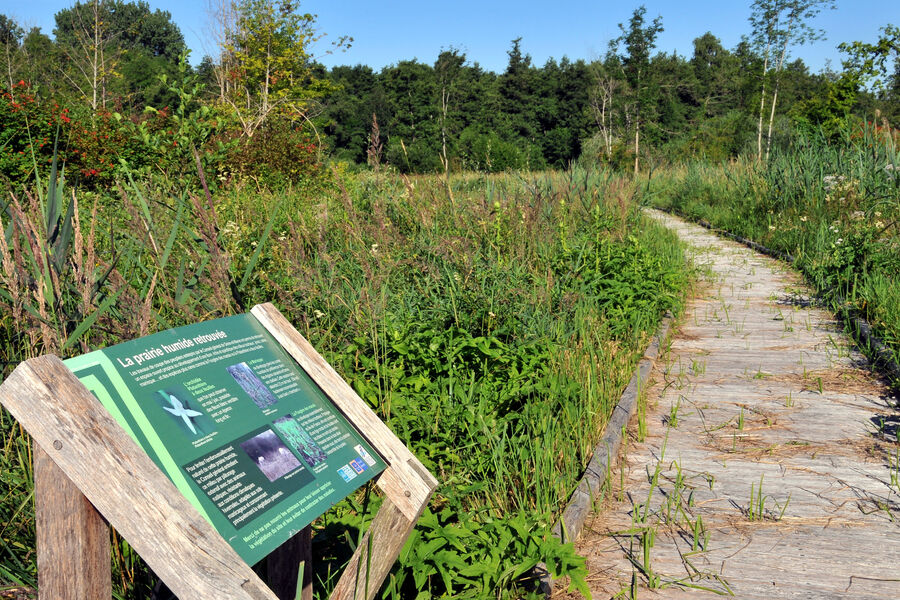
(240, 429)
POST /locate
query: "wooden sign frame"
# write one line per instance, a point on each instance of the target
(89, 474)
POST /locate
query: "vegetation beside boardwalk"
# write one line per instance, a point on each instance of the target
(491, 323)
(490, 315)
(833, 204)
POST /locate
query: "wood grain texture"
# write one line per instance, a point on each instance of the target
(72, 538)
(375, 555)
(759, 388)
(408, 484)
(284, 563)
(124, 485)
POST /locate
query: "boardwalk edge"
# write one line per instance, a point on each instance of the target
(569, 526)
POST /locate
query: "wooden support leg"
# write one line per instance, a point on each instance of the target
(366, 570)
(283, 566)
(72, 538)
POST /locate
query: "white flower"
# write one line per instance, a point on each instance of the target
(840, 241)
(803, 219)
(771, 228)
(374, 248)
(318, 313)
(491, 314)
(879, 224)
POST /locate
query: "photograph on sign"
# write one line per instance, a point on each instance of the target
(242, 431)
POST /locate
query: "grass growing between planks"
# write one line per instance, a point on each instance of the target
(493, 328)
(833, 205)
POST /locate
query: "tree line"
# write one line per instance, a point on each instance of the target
(265, 104)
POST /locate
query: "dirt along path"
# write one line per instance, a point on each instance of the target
(770, 463)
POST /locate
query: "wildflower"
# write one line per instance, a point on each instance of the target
(803, 219)
(318, 313)
(374, 248)
(877, 214)
(771, 228)
(491, 314)
(840, 241)
(879, 224)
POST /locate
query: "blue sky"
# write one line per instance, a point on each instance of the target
(395, 30)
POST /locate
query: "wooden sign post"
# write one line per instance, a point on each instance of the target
(89, 473)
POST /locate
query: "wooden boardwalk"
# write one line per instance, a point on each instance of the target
(770, 460)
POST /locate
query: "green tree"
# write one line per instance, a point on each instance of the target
(348, 110)
(274, 71)
(517, 94)
(870, 65)
(638, 40)
(112, 48)
(716, 76)
(413, 132)
(11, 49)
(39, 67)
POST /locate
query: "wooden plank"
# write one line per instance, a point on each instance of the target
(124, 485)
(408, 484)
(284, 564)
(375, 555)
(72, 538)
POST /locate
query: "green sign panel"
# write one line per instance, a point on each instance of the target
(240, 429)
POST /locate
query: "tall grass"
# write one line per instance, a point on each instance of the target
(492, 327)
(832, 204)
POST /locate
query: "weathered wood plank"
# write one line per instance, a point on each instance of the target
(375, 555)
(284, 564)
(72, 538)
(124, 485)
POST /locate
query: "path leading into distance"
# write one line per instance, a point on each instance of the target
(770, 460)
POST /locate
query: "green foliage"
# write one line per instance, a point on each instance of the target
(830, 111)
(272, 69)
(871, 62)
(460, 555)
(279, 153)
(171, 139)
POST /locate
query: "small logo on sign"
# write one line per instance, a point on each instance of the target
(346, 473)
(364, 455)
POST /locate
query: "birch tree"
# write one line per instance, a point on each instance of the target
(601, 97)
(85, 40)
(777, 26)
